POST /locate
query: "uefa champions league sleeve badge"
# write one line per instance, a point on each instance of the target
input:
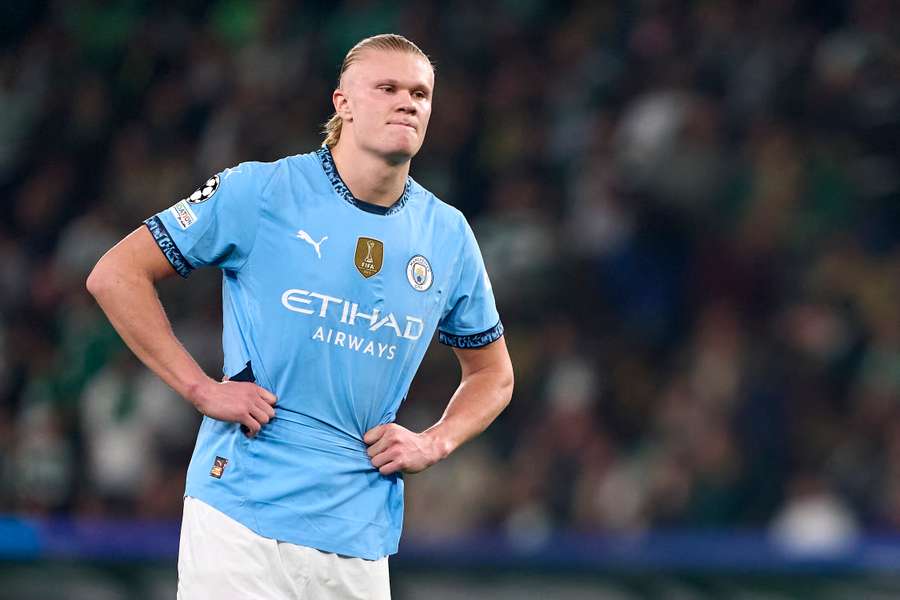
(205, 192)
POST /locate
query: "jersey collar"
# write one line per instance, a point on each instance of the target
(341, 189)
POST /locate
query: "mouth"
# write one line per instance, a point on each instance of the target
(409, 125)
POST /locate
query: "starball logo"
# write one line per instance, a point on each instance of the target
(347, 312)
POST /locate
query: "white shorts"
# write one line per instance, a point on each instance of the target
(221, 559)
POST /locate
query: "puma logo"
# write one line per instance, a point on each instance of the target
(306, 238)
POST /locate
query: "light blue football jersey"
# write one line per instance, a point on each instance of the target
(332, 306)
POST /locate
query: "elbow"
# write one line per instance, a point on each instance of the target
(95, 281)
(100, 279)
(507, 383)
(110, 277)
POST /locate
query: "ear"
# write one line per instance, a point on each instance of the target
(341, 104)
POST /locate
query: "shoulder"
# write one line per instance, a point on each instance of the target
(444, 214)
(260, 176)
(250, 175)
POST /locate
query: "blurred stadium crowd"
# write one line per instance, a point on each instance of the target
(690, 212)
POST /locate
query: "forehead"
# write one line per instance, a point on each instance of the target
(405, 67)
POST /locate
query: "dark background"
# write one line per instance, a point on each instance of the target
(690, 212)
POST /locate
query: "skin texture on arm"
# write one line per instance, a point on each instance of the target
(123, 283)
(484, 391)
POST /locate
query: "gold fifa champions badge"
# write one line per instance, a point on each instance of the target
(369, 256)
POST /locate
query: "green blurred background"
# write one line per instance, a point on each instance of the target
(690, 211)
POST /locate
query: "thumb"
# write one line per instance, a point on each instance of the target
(374, 434)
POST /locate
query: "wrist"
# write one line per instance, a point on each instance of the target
(198, 393)
(441, 445)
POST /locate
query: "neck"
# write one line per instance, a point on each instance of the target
(370, 178)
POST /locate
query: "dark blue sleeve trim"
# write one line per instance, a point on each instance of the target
(168, 247)
(475, 340)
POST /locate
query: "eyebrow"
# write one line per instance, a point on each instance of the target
(396, 83)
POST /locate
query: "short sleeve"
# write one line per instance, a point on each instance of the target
(470, 319)
(216, 224)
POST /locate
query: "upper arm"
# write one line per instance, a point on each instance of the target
(137, 254)
(217, 224)
(493, 357)
(470, 318)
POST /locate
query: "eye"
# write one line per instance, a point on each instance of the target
(421, 95)
(386, 88)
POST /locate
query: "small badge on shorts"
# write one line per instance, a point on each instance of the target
(218, 467)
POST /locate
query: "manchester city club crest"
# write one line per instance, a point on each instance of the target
(369, 256)
(418, 272)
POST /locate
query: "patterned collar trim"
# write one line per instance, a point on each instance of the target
(341, 189)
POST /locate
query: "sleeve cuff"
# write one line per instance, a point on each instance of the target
(475, 340)
(167, 245)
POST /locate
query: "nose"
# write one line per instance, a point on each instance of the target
(406, 104)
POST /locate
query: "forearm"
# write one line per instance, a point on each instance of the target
(131, 304)
(483, 393)
(479, 399)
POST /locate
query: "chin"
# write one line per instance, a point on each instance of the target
(400, 152)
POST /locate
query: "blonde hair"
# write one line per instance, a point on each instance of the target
(390, 42)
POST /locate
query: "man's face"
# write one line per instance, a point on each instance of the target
(385, 97)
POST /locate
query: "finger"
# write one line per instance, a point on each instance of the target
(252, 425)
(379, 460)
(259, 415)
(378, 447)
(266, 395)
(265, 407)
(390, 468)
(374, 434)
